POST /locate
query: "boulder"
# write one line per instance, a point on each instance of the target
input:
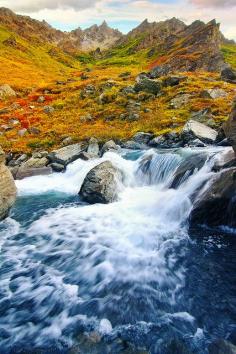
(33, 167)
(143, 138)
(221, 346)
(228, 75)
(216, 204)
(225, 160)
(22, 132)
(67, 141)
(173, 80)
(110, 146)
(180, 100)
(133, 145)
(213, 93)
(48, 109)
(57, 167)
(166, 141)
(101, 184)
(148, 85)
(67, 154)
(6, 91)
(93, 147)
(30, 172)
(230, 127)
(195, 130)
(7, 188)
(187, 168)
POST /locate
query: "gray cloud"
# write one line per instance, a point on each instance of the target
(213, 3)
(37, 5)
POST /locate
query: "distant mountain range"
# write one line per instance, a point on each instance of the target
(170, 44)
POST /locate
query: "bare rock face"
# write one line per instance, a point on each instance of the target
(196, 47)
(230, 127)
(101, 184)
(216, 205)
(7, 188)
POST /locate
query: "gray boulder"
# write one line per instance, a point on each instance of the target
(148, 85)
(7, 188)
(48, 109)
(39, 171)
(195, 130)
(213, 93)
(180, 100)
(33, 167)
(93, 147)
(143, 138)
(101, 184)
(228, 75)
(67, 154)
(225, 160)
(110, 146)
(216, 205)
(133, 145)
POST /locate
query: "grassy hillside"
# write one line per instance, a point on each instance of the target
(25, 64)
(89, 100)
(229, 52)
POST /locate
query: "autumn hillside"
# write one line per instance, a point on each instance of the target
(60, 93)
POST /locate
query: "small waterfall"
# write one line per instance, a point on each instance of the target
(154, 168)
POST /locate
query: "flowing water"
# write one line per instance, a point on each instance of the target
(127, 277)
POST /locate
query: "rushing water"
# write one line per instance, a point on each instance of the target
(120, 278)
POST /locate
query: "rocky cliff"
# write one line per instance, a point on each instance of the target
(7, 188)
(230, 126)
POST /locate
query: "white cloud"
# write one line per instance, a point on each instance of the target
(213, 3)
(37, 5)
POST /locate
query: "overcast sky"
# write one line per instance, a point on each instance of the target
(125, 14)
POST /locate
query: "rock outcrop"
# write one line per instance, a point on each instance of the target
(7, 188)
(195, 130)
(101, 184)
(216, 205)
(67, 154)
(230, 127)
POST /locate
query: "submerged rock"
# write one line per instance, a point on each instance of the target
(101, 184)
(187, 168)
(195, 130)
(222, 347)
(7, 188)
(216, 205)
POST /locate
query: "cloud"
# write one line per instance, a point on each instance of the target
(213, 3)
(37, 5)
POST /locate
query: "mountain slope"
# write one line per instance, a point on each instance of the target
(173, 46)
(94, 37)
